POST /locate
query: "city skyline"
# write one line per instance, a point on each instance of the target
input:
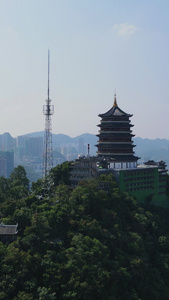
(96, 47)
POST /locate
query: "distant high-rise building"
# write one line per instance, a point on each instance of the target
(6, 163)
(7, 142)
(82, 147)
(33, 146)
(29, 146)
(20, 140)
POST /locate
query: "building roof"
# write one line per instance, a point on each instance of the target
(115, 111)
(119, 158)
(8, 229)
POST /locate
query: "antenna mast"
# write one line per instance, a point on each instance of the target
(48, 111)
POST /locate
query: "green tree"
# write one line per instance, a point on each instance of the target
(4, 188)
(19, 183)
(37, 187)
(45, 294)
(60, 174)
(18, 178)
(93, 242)
(86, 268)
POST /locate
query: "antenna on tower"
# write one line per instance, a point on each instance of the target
(48, 70)
(48, 111)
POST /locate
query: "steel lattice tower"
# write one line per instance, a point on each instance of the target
(48, 111)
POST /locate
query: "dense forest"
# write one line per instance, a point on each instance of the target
(91, 242)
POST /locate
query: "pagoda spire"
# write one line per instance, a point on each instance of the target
(115, 102)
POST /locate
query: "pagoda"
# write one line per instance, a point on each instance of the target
(115, 138)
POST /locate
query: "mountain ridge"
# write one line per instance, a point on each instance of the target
(147, 149)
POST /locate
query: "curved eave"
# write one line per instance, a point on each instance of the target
(115, 145)
(115, 125)
(115, 134)
(115, 157)
(115, 111)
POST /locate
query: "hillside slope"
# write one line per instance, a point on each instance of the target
(89, 243)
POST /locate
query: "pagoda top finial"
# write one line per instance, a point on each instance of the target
(115, 102)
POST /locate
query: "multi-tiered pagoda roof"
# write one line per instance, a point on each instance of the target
(115, 136)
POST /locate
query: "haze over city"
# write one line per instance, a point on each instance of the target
(96, 47)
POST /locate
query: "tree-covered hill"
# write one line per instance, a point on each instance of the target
(93, 242)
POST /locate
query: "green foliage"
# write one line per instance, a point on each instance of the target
(60, 174)
(167, 186)
(37, 187)
(45, 294)
(4, 188)
(93, 242)
(86, 268)
(18, 183)
(18, 178)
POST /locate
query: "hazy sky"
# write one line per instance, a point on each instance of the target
(96, 46)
